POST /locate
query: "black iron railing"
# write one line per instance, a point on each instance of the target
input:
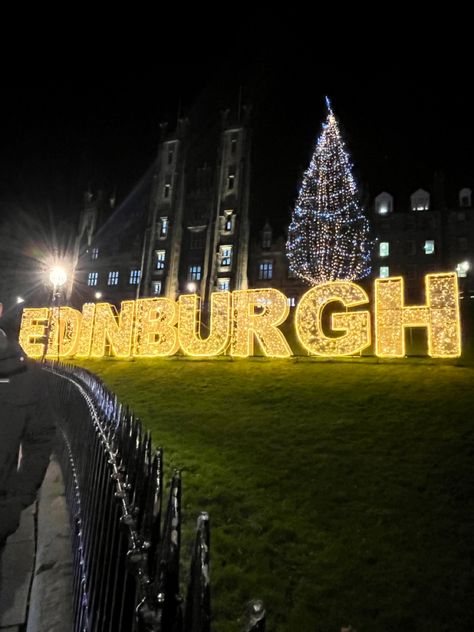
(126, 554)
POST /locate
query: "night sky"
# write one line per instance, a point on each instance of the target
(63, 131)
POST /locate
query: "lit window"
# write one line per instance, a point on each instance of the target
(265, 270)
(113, 278)
(291, 301)
(463, 268)
(223, 285)
(160, 259)
(226, 256)
(384, 272)
(134, 277)
(167, 190)
(95, 253)
(164, 226)
(228, 224)
(384, 203)
(194, 273)
(92, 278)
(156, 288)
(429, 246)
(420, 200)
(384, 248)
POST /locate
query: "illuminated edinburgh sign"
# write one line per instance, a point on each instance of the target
(159, 327)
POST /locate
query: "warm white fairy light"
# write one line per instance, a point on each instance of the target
(155, 327)
(328, 238)
(190, 325)
(257, 314)
(440, 316)
(113, 331)
(155, 334)
(34, 325)
(64, 331)
(355, 325)
(87, 325)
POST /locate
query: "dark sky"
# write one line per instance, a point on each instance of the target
(65, 130)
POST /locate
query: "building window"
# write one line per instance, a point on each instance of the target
(95, 253)
(233, 144)
(198, 240)
(194, 273)
(92, 278)
(420, 200)
(291, 301)
(164, 224)
(463, 268)
(384, 204)
(170, 155)
(223, 285)
(113, 278)
(227, 221)
(226, 256)
(384, 248)
(266, 239)
(465, 197)
(160, 259)
(231, 179)
(134, 277)
(429, 246)
(156, 288)
(167, 190)
(265, 270)
(384, 272)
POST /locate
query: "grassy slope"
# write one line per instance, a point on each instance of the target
(338, 492)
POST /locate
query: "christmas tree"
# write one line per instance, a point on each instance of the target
(328, 238)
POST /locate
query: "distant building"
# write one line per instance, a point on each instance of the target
(190, 229)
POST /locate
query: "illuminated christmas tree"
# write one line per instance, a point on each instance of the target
(328, 238)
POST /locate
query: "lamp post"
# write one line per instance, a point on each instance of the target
(57, 277)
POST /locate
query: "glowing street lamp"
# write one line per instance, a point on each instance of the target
(58, 276)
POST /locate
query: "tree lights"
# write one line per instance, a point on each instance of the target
(328, 238)
(158, 327)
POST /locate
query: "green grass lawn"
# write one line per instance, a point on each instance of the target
(339, 493)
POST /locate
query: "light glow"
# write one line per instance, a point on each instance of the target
(309, 324)
(328, 238)
(257, 314)
(58, 276)
(189, 329)
(440, 316)
(157, 327)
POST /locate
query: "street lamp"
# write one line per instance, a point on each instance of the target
(57, 277)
